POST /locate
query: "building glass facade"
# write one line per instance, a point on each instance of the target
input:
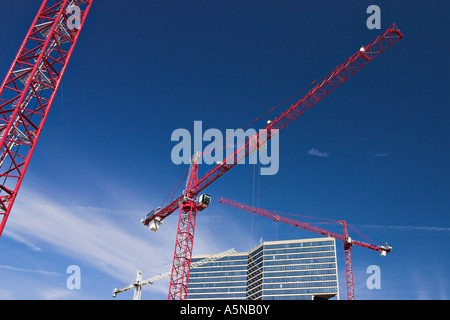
(277, 270)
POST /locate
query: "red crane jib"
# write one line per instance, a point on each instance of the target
(334, 79)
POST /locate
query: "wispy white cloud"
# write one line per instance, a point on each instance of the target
(317, 153)
(382, 154)
(5, 294)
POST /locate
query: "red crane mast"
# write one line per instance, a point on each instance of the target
(188, 202)
(29, 89)
(345, 238)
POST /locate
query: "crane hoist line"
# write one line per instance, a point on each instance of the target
(189, 203)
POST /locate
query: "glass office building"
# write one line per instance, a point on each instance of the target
(277, 270)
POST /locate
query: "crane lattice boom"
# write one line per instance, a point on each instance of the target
(188, 203)
(345, 238)
(306, 226)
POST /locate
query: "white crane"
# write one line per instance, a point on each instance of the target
(138, 284)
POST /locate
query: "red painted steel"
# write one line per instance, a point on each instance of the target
(347, 241)
(185, 234)
(326, 85)
(348, 263)
(29, 89)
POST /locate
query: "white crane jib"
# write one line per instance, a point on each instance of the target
(138, 284)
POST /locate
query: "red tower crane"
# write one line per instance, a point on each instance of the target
(29, 89)
(345, 238)
(189, 204)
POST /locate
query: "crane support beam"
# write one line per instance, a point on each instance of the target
(333, 80)
(29, 89)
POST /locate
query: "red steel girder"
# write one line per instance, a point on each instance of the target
(29, 88)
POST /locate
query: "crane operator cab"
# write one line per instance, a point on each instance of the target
(156, 222)
(203, 202)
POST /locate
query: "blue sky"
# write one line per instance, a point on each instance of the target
(142, 70)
